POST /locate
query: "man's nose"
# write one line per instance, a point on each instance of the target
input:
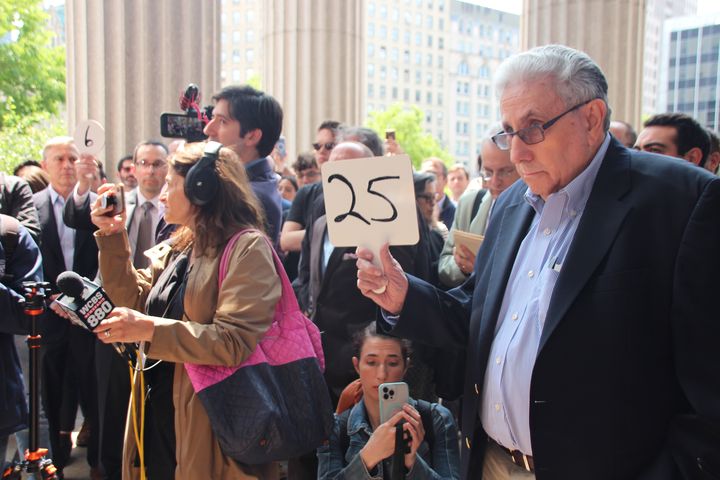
(209, 129)
(519, 150)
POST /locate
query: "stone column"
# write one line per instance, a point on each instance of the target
(315, 64)
(129, 60)
(610, 31)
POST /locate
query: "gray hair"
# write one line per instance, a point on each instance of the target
(362, 135)
(577, 77)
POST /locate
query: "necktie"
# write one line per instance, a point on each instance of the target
(145, 235)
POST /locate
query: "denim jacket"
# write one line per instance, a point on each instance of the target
(443, 462)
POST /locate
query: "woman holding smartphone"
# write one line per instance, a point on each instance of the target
(177, 308)
(361, 447)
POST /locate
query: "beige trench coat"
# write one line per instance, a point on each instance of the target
(217, 329)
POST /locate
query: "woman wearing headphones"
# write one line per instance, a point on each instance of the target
(176, 307)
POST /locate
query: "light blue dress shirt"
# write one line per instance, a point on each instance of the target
(505, 408)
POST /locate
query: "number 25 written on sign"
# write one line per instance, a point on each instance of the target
(351, 211)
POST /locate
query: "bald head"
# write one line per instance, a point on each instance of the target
(349, 151)
(624, 132)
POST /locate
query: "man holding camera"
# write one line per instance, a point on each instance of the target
(68, 351)
(249, 122)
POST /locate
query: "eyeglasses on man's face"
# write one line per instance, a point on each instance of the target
(157, 164)
(308, 174)
(501, 174)
(427, 197)
(532, 134)
(328, 146)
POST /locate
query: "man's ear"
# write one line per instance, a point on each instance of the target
(253, 137)
(694, 155)
(595, 117)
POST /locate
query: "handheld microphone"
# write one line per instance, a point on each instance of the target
(87, 304)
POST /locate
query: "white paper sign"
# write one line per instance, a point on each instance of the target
(89, 137)
(370, 202)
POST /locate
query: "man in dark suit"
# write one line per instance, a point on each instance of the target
(149, 161)
(590, 321)
(249, 122)
(67, 366)
(445, 206)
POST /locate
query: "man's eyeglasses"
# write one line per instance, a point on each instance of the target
(157, 164)
(328, 146)
(312, 173)
(532, 134)
(428, 197)
(501, 174)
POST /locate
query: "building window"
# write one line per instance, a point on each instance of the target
(250, 36)
(250, 55)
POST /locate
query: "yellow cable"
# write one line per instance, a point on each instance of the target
(139, 435)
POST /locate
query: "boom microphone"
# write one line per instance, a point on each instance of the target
(87, 304)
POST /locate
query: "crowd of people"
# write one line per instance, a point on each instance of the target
(578, 341)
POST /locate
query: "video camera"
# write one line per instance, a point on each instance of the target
(189, 125)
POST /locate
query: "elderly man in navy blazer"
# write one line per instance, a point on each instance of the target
(590, 321)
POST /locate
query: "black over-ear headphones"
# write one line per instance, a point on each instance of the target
(201, 181)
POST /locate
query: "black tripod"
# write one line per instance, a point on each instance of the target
(34, 461)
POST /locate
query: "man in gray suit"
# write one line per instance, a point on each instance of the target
(473, 211)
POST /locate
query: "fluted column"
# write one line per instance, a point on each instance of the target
(612, 32)
(129, 60)
(315, 64)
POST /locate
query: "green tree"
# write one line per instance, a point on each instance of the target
(24, 137)
(32, 73)
(409, 133)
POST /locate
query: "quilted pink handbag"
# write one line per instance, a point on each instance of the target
(275, 405)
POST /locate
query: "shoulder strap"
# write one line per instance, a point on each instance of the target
(477, 202)
(425, 410)
(344, 437)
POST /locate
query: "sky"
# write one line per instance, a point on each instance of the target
(705, 7)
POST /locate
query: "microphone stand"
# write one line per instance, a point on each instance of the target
(34, 460)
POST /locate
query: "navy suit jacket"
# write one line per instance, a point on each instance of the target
(625, 383)
(264, 183)
(85, 261)
(447, 214)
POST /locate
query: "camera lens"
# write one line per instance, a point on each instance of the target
(385, 389)
(386, 396)
(392, 393)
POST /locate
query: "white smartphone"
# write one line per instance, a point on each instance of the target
(392, 398)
